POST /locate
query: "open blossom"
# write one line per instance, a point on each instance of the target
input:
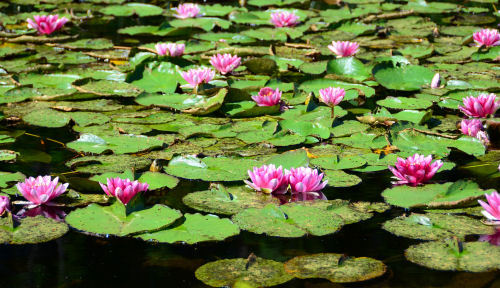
(267, 97)
(492, 208)
(46, 24)
(170, 49)
(225, 63)
(331, 96)
(415, 170)
(41, 189)
(480, 106)
(487, 37)
(436, 81)
(471, 127)
(305, 180)
(4, 204)
(344, 48)
(268, 179)
(123, 189)
(187, 10)
(284, 19)
(197, 76)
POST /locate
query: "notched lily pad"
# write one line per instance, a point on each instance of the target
(256, 272)
(449, 195)
(196, 228)
(475, 257)
(433, 226)
(31, 230)
(335, 267)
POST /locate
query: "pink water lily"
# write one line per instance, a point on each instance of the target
(436, 81)
(46, 24)
(225, 63)
(170, 49)
(415, 170)
(268, 179)
(284, 19)
(305, 180)
(487, 37)
(331, 96)
(471, 127)
(267, 97)
(197, 76)
(187, 10)
(42, 189)
(4, 204)
(344, 48)
(480, 106)
(123, 189)
(492, 208)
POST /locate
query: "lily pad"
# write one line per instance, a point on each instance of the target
(31, 230)
(227, 201)
(433, 226)
(476, 256)
(450, 194)
(256, 272)
(336, 268)
(121, 144)
(113, 219)
(129, 9)
(196, 228)
(405, 77)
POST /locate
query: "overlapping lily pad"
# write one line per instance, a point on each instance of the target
(337, 268)
(450, 194)
(31, 230)
(254, 272)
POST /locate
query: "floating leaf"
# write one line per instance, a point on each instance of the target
(196, 228)
(31, 230)
(336, 268)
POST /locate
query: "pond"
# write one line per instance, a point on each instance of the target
(249, 143)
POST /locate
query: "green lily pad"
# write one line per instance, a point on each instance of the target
(406, 77)
(476, 256)
(113, 220)
(349, 67)
(31, 230)
(227, 201)
(159, 77)
(339, 163)
(433, 226)
(129, 9)
(404, 103)
(7, 177)
(257, 272)
(450, 194)
(121, 144)
(47, 118)
(196, 228)
(8, 155)
(209, 168)
(108, 163)
(106, 88)
(339, 178)
(336, 268)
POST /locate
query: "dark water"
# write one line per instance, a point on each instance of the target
(78, 260)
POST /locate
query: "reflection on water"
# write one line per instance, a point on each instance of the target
(309, 196)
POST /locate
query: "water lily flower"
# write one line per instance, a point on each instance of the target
(415, 170)
(4, 204)
(123, 189)
(436, 81)
(331, 96)
(305, 180)
(344, 48)
(494, 239)
(197, 76)
(480, 106)
(225, 63)
(492, 208)
(267, 97)
(487, 37)
(284, 19)
(42, 189)
(170, 49)
(187, 10)
(268, 179)
(471, 127)
(46, 24)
